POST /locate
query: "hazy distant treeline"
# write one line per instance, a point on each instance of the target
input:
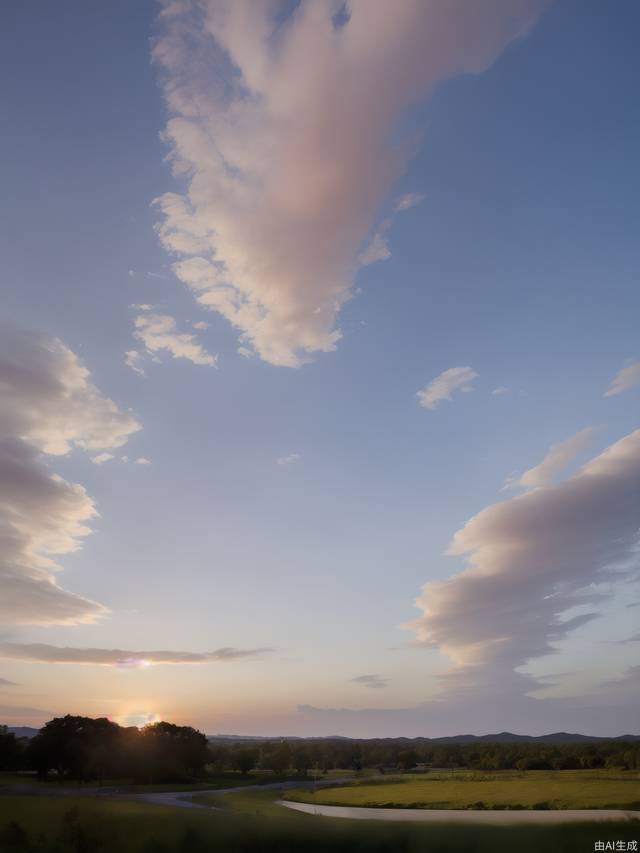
(324, 755)
(81, 748)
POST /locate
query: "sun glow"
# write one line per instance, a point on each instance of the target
(136, 718)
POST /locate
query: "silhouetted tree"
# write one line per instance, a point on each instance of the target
(11, 750)
(70, 744)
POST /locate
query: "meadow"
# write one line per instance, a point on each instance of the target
(210, 782)
(252, 821)
(557, 789)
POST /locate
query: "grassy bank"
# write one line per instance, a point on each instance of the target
(252, 823)
(561, 789)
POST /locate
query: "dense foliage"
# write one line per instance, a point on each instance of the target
(82, 748)
(392, 755)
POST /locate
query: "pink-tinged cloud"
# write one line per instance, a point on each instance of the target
(121, 658)
(624, 380)
(556, 460)
(284, 130)
(47, 407)
(443, 387)
(529, 560)
(159, 333)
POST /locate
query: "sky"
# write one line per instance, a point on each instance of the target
(320, 367)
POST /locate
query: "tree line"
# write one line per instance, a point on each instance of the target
(86, 749)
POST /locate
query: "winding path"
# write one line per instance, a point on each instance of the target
(490, 816)
(181, 799)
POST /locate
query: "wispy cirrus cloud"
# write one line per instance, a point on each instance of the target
(375, 682)
(624, 380)
(378, 249)
(48, 406)
(290, 459)
(122, 658)
(282, 128)
(133, 360)
(556, 460)
(444, 386)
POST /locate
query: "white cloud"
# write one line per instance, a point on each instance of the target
(132, 359)
(101, 458)
(283, 129)
(49, 402)
(288, 460)
(556, 460)
(132, 273)
(625, 379)
(45, 653)
(407, 201)
(500, 390)
(376, 682)
(142, 460)
(47, 406)
(445, 385)
(378, 247)
(158, 332)
(200, 325)
(530, 559)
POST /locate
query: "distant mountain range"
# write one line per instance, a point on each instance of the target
(23, 731)
(501, 737)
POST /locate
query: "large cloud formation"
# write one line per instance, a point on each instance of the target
(283, 127)
(47, 407)
(530, 560)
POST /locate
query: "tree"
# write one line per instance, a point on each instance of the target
(407, 759)
(244, 760)
(67, 744)
(278, 759)
(301, 761)
(10, 750)
(171, 753)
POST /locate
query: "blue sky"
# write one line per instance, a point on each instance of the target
(520, 261)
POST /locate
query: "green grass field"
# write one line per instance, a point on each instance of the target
(252, 822)
(561, 789)
(223, 780)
